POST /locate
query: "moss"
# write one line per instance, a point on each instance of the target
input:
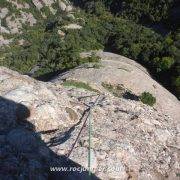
(80, 85)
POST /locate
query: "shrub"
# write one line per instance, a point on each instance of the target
(56, 54)
(163, 64)
(148, 98)
(93, 58)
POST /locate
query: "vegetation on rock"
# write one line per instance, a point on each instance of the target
(116, 26)
(116, 90)
(77, 84)
(148, 98)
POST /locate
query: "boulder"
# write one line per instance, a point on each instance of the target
(62, 5)
(69, 8)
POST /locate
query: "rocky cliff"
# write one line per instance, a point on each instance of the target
(15, 15)
(115, 69)
(40, 121)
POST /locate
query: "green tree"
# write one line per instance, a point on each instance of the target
(57, 54)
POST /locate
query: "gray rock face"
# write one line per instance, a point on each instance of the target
(72, 26)
(3, 41)
(116, 69)
(3, 12)
(62, 5)
(69, 8)
(65, 6)
(124, 144)
(47, 108)
(39, 123)
(38, 4)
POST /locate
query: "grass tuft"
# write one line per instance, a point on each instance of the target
(80, 85)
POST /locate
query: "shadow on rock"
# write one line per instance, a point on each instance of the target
(23, 155)
(130, 96)
(62, 137)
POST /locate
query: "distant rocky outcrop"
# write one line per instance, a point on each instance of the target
(130, 140)
(14, 15)
(72, 26)
(65, 5)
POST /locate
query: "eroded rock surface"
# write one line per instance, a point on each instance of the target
(118, 70)
(40, 121)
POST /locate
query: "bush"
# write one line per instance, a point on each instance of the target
(148, 98)
(93, 58)
(163, 64)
